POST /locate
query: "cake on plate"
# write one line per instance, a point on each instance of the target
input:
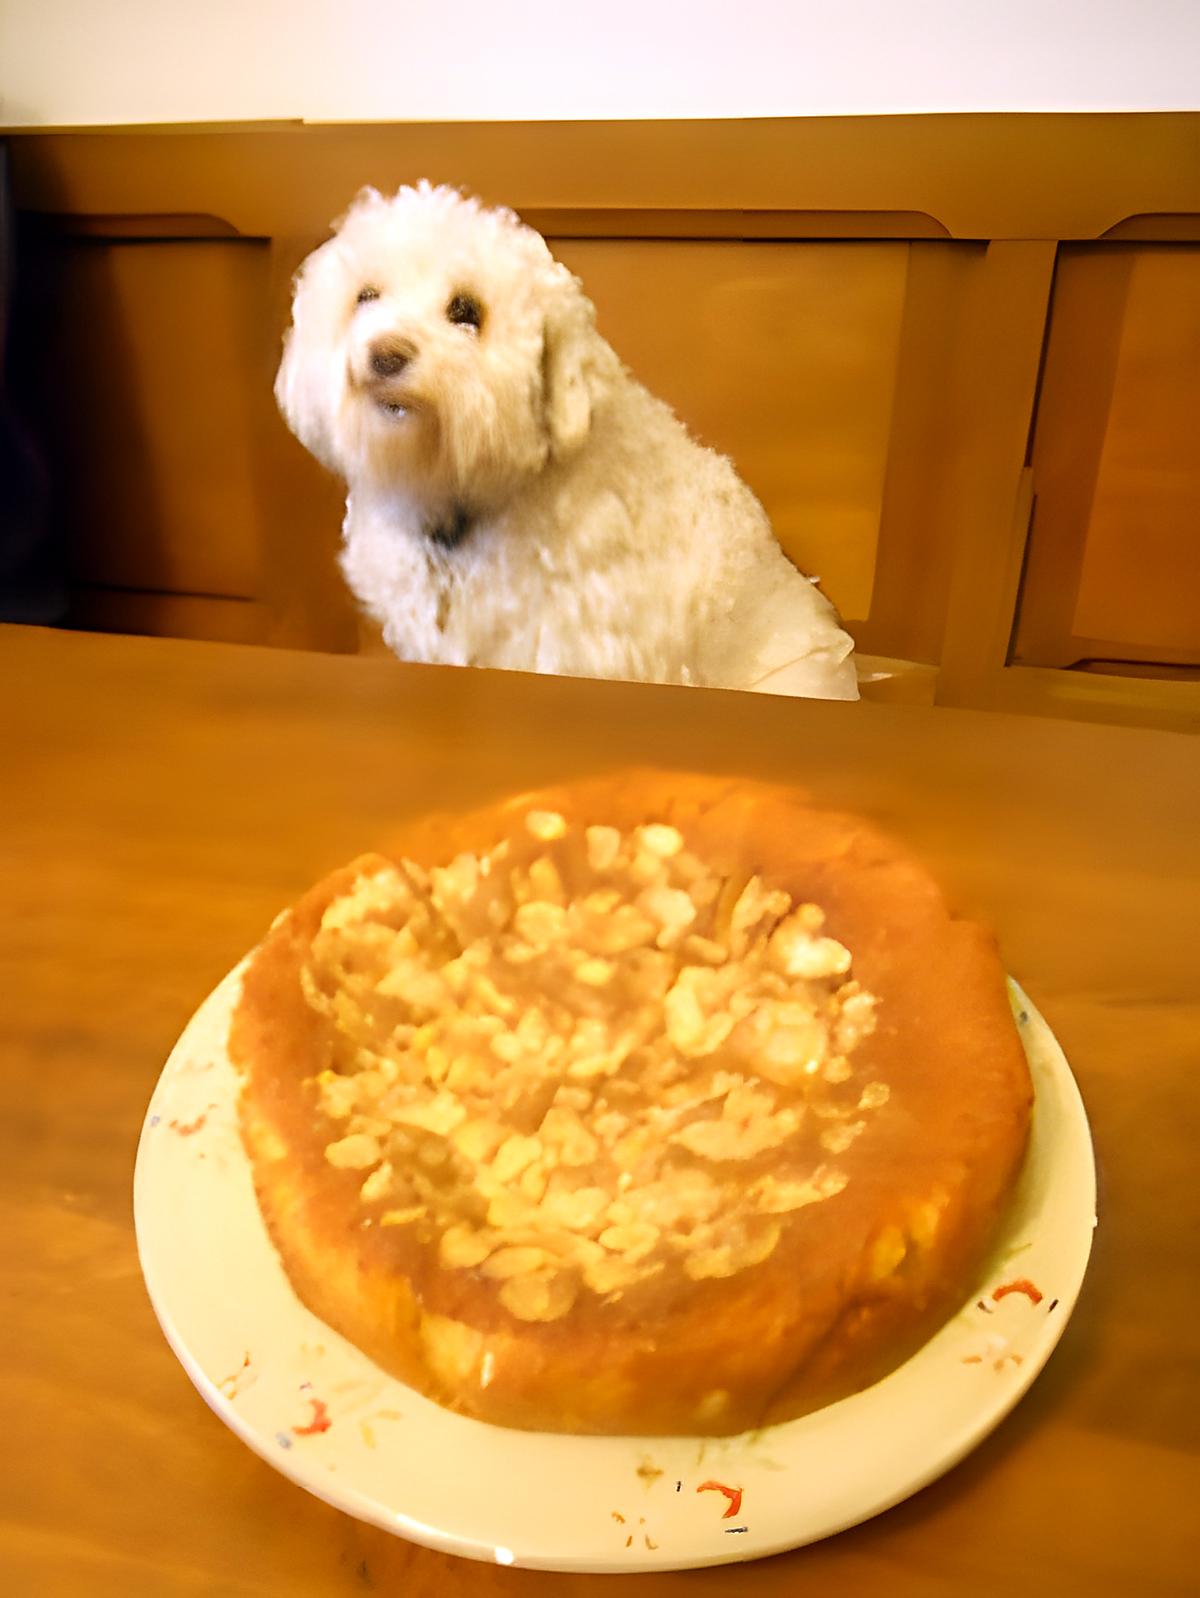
(649, 1104)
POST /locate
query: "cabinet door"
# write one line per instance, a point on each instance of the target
(1112, 578)
(150, 420)
(148, 364)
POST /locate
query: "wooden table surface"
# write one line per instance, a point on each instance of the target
(160, 801)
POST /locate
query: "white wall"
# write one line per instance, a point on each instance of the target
(65, 62)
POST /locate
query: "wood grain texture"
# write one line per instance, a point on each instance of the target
(970, 175)
(160, 800)
(152, 407)
(1138, 591)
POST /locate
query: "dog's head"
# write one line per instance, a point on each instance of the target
(438, 345)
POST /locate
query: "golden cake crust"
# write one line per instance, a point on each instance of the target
(797, 1301)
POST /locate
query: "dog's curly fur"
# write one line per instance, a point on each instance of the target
(516, 498)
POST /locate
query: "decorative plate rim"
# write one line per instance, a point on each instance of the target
(1005, 1324)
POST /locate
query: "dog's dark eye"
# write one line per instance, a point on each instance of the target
(367, 293)
(465, 311)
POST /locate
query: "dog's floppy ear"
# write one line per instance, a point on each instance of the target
(569, 374)
(307, 384)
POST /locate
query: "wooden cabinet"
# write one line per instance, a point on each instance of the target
(957, 358)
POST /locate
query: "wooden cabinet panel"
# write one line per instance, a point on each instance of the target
(154, 397)
(1113, 568)
(1140, 582)
(781, 355)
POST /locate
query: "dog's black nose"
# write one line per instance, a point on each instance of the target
(390, 356)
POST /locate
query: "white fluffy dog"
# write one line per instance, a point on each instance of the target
(516, 498)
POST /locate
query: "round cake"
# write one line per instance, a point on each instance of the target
(652, 1104)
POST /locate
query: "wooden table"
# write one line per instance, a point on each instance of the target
(159, 801)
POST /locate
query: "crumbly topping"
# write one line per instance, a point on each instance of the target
(588, 1058)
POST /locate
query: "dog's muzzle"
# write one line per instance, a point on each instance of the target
(388, 358)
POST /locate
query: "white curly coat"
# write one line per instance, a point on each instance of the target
(516, 498)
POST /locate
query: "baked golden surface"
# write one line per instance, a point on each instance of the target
(655, 1104)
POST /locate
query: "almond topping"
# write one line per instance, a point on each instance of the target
(540, 923)
(546, 825)
(603, 846)
(354, 1153)
(513, 1155)
(660, 840)
(514, 1261)
(412, 1212)
(541, 1296)
(461, 1248)
(562, 1079)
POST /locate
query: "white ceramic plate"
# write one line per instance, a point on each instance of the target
(320, 1412)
